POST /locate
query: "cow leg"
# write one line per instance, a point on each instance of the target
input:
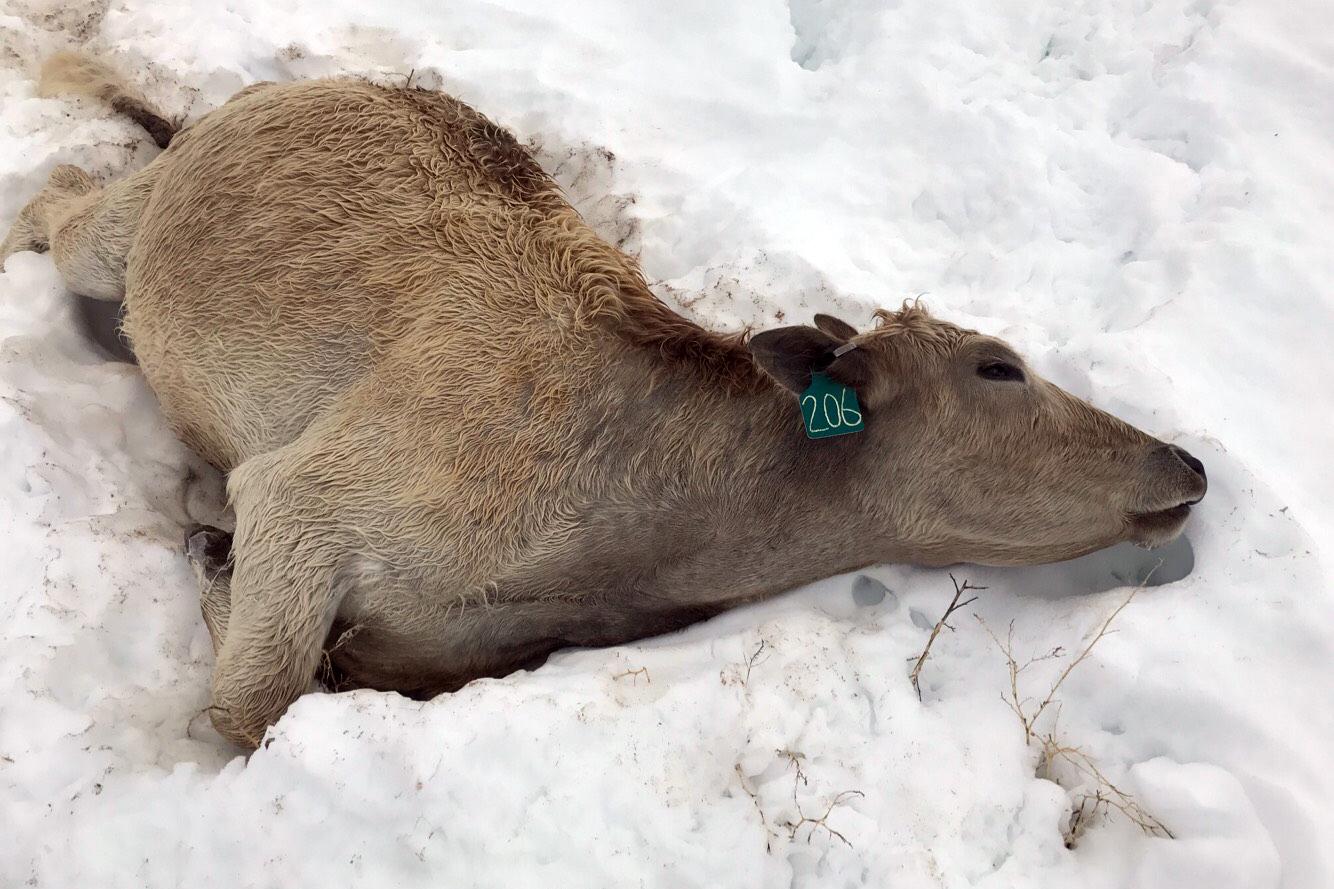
(210, 553)
(284, 594)
(32, 228)
(88, 230)
(270, 648)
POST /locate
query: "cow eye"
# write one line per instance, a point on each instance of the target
(999, 371)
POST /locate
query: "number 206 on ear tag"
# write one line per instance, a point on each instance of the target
(829, 408)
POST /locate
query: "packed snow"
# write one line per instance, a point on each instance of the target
(1137, 194)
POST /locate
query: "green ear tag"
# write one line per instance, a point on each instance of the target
(829, 408)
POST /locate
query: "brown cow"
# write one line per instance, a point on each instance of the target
(461, 432)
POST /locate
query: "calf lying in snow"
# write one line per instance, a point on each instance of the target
(461, 432)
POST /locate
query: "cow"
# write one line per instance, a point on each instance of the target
(461, 432)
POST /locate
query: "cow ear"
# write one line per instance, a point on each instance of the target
(853, 369)
(835, 327)
(791, 354)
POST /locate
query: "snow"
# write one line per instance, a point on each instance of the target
(1136, 194)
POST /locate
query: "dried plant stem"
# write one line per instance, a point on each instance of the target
(954, 606)
(1105, 795)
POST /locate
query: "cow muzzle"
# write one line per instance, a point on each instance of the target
(1177, 481)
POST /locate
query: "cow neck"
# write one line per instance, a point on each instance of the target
(765, 507)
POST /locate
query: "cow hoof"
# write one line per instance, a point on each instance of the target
(209, 548)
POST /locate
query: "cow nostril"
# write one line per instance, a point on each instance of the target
(1190, 460)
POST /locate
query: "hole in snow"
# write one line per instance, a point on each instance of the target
(1122, 565)
(809, 23)
(99, 321)
(867, 591)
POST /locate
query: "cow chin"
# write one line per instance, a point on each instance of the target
(1015, 555)
(1154, 529)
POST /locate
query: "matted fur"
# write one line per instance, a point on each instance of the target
(461, 431)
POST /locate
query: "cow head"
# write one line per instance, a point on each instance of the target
(968, 455)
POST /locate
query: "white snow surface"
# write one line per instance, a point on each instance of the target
(1137, 194)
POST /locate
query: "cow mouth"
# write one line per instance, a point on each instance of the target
(1160, 526)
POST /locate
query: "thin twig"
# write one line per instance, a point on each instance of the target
(642, 671)
(1102, 631)
(769, 835)
(752, 660)
(823, 820)
(954, 606)
(1106, 795)
(1052, 750)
